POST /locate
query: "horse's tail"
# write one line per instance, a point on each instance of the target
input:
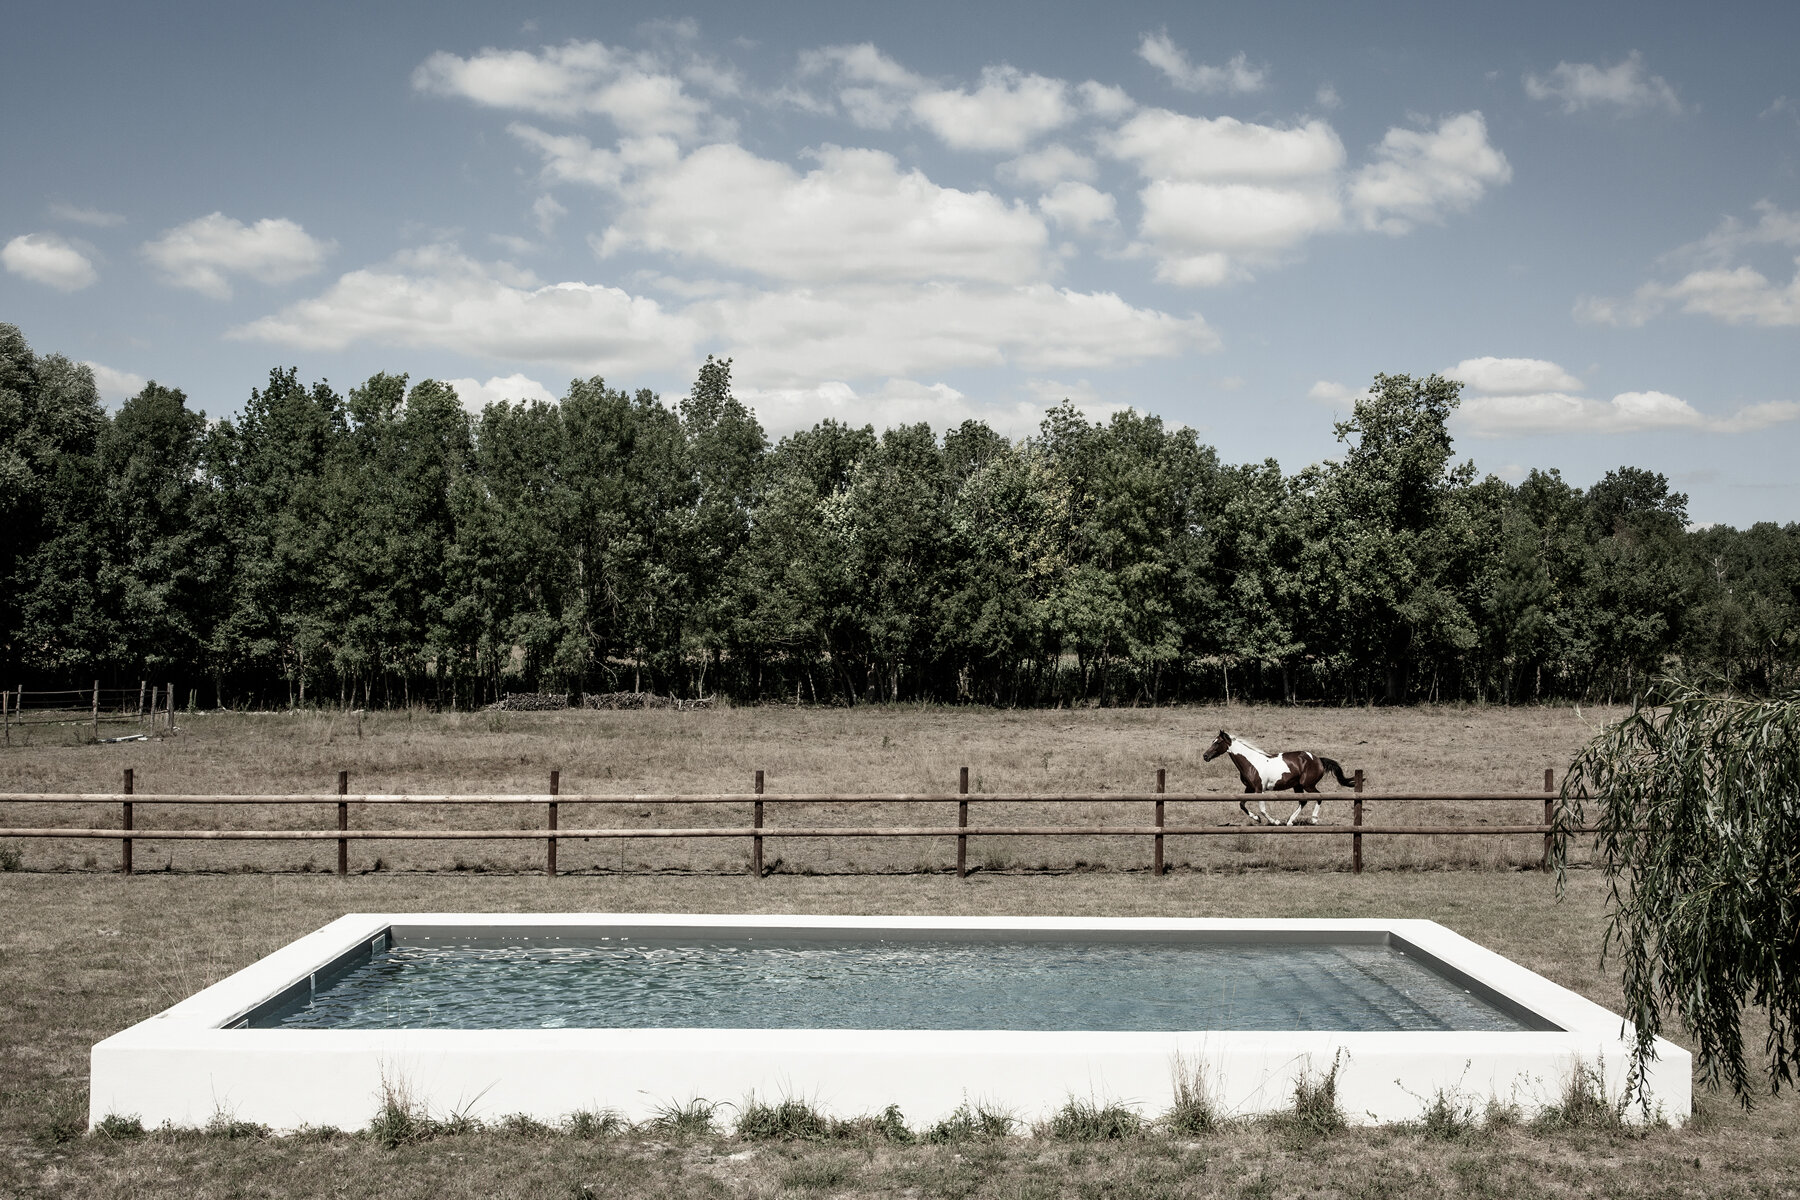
(1331, 764)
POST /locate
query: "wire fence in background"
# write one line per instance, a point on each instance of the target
(150, 706)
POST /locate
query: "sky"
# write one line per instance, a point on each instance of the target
(1228, 218)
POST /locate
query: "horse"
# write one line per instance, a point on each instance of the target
(1298, 771)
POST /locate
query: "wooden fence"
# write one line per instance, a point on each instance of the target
(554, 800)
(147, 706)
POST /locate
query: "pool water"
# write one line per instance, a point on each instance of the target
(901, 984)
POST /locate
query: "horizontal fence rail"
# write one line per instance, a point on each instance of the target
(128, 831)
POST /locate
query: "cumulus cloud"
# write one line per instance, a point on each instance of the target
(500, 389)
(1534, 395)
(1078, 207)
(116, 387)
(1236, 76)
(1336, 395)
(49, 259)
(894, 402)
(1420, 174)
(788, 337)
(80, 215)
(1719, 285)
(1048, 167)
(1169, 145)
(1007, 112)
(875, 91)
(858, 215)
(546, 211)
(636, 91)
(202, 253)
(1624, 87)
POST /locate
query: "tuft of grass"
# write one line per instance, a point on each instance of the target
(224, 1125)
(591, 1125)
(1090, 1121)
(818, 1173)
(1583, 1106)
(401, 1120)
(889, 1125)
(522, 1126)
(978, 1124)
(1315, 1113)
(1195, 1111)
(693, 1119)
(792, 1120)
(1449, 1117)
(120, 1128)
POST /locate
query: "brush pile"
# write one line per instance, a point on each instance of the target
(619, 700)
(530, 702)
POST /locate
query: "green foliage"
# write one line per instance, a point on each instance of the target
(1091, 1121)
(1195, 1111)
(383, 546)
(978, 1123)
(693, 1119)
(120, 1128)
(591, 1124)
(1698, 822)
(1316, 1112)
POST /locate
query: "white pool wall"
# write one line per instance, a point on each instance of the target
(184, 1067)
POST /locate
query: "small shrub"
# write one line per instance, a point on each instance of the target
(120, 1129)
(889, 1125)
(1449, 1117)
(1195, 1112)
(978, 1124)
(1091, 1121)
(523, 1126)
(789, 1121)
(591, 1125)
(1500, 1115)
(1583, 1105)
(225, 1125)
(1316, 1112)
(692, 1119)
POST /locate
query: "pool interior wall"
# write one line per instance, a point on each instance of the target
(264, 1045)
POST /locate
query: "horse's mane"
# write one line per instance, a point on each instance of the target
(1247, 744)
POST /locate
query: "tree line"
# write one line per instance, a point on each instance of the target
(383, 546)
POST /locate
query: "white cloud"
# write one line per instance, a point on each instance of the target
(546, 211)
(635, 91)
(895, 402)
(1237, 76)
(1007, 112)
(1327, 98)
(500, 389)
(1048, 167)
(1077, 206)
(1512, 376)
(1168, 145)
(437, 297)
(1336, 395)
(116, 387)
(1105, 101)
(80, 215)
(200, 254)
(786, 338)
(874, 90)
(856, 216)
(1421, 174)
(1625, 86)
(48, 259)
(1737, 294)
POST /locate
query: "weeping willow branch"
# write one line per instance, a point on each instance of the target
(1698, 832)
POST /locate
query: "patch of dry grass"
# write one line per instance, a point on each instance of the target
(867, 749)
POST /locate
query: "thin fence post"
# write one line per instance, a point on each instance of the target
(96, 710)
(169, 709)
(125, 823)
(1549, 813)
(6, 715)
(756, 861)
(343, 814)
(962, 822)
(1157, 867)
(550, 843)
(1356, 819)
(140, 702)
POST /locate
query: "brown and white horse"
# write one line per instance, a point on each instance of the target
(1297, 771)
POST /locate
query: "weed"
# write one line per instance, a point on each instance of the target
(63, 1120)
(889, 1125)
(120, 1129)
(978, 1124)
(1195, 1111)
(401, 1120)
(1584, 1105)
(1315, 1112)
(792, 1120)
(693, 1119)
(596, 1124)
(224, 1125)
(315, 1135)
(1091, 1121)
(1450, 1116)
(523, 1126)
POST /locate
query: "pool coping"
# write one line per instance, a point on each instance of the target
(187, 1064)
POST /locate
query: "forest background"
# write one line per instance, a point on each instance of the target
(385, 547)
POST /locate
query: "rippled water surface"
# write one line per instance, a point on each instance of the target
(757, 984)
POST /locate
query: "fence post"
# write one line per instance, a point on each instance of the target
(962, 822)
(756, 866)
(125, 823)
(1549, 813)
(1356, 816)
(550, 843)
(169, 709)
(343, 813)
(1157, 867)
(140, 702)
(96, 712)
(6, 715)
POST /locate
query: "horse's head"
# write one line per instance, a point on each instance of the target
(1220, 745)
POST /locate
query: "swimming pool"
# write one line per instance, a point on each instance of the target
(547, 1015)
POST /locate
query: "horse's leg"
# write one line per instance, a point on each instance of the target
(1245, 805)
(1299, 804)
(1317, 805)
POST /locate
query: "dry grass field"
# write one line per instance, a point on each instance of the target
(869, 749)
(84, 953)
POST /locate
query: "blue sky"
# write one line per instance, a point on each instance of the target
(1232, 219)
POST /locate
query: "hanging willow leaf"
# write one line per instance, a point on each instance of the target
(1698, 831)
